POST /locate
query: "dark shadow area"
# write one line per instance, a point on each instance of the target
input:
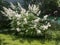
(4, 21)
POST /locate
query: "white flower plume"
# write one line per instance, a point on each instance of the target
(33, 8)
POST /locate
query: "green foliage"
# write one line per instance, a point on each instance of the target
(48, 7)
(53, 32)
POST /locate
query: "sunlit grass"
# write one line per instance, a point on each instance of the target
(6, 39)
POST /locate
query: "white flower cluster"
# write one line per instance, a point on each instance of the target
(34, 8)
(45, 27)
(45, 17)
(10, 13)
(26, 20)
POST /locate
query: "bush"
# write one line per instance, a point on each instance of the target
(26, 22)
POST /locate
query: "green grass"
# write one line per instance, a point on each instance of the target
(6, 39)
(53, 38)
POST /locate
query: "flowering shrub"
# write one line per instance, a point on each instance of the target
(26, 22)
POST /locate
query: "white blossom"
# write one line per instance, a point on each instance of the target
(45, 17)
(30, 7)
(25, 20)
(10, 10)
(18, 29)
(23, 11)
(44, 27)
(12, 5)
(18, 23)
(18, 15)
(38, 31)
(49, 25)
(38, 13)
(37, 20)
(33, 8)
(27, 13)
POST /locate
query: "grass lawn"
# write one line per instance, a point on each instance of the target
(6, 39)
